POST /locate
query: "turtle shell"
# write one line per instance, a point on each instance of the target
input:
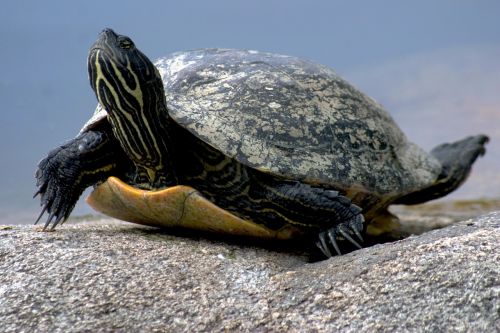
(175, 207)
(291, 118)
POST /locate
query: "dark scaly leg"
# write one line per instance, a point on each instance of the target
(457, 159)
(301, 203)
(275, 202)
(64, 174)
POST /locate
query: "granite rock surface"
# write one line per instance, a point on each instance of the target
(106, 276)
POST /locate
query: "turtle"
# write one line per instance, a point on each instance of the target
(242, 142)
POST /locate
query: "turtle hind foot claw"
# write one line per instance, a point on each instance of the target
(340, 233)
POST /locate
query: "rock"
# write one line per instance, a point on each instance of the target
(109, 276)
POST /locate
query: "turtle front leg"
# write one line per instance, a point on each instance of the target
(63, 175)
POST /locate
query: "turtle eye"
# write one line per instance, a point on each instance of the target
(125, 43)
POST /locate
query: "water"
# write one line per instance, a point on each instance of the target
(437, 75)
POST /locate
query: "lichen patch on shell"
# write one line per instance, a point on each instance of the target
(99, 114)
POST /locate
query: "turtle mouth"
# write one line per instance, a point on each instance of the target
(106, 37)
(98, 46)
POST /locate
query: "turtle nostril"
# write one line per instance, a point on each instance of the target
(108, 31)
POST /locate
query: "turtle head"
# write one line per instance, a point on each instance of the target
(130, 88)
(122, 77)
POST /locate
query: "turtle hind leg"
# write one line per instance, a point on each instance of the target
(314, 208)
(456, 159)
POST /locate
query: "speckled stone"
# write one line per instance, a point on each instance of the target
(107, 276)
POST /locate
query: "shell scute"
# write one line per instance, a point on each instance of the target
(292, 118)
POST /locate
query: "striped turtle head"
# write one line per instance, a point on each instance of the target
(130, 88)
(121, 75)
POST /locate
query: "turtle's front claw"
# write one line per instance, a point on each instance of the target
(58, 186)
(63, 175)
(51, 217)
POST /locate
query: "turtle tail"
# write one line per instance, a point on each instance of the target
(456, 159)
